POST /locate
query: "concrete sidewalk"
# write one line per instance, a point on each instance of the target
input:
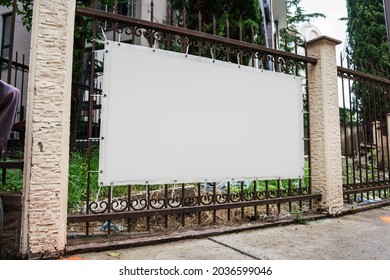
(360, 236)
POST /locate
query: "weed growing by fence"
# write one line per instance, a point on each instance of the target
(77, 186)
(14, 180)
(78, 176)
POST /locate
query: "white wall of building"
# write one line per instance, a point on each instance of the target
(21, 54)
(22, 36)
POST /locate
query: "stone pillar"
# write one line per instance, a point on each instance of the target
(325, 144)
(47, 130)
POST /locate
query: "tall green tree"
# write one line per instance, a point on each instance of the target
(367, 37)
(368, 51)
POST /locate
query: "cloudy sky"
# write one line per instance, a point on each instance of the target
(330, 26)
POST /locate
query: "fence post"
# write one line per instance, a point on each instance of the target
(325, 144)
(376, 132)
(46, 158)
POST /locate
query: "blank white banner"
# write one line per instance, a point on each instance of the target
(170, 118)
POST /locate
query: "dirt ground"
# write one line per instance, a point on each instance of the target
(360, 236)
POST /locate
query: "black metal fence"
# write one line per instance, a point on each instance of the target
(364, 109)
(140, 209)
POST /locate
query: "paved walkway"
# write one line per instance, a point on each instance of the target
(360, 236)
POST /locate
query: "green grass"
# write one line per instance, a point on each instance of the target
(14, 180)
(78, 177)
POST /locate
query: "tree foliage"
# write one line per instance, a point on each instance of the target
(24, 8)
(296, 15)
(368, 51)
(246, 13)
(367, 37)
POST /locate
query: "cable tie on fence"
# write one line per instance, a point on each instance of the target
(99, 51)
(174, 188)
(98, 41)
(104, 35)
(256, 60)
(154, 44)
(212, 54)
(261, 65)
(98, 192)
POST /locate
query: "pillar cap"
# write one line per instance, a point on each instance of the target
(323, 38)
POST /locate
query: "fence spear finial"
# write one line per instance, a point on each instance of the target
(134, 8)
(214, 25)
(227, 28)
(184, 17)
(200, 21)
(253, 34)
(240, 30)
(151, 10)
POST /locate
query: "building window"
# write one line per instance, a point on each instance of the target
(125, 8)
(6, 37)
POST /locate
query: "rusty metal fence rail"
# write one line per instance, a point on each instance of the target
(138, 209)
(364, 109)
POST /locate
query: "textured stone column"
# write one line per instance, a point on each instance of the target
(47, 129)
(325, 144)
